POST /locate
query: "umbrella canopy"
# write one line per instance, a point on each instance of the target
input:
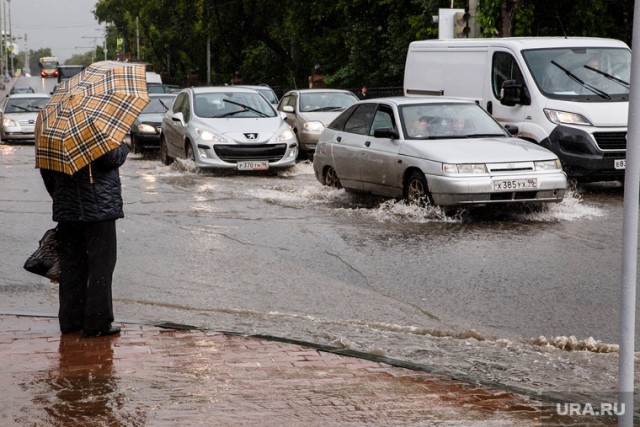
(89, 115)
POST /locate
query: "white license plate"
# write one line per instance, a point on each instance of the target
(620, 163)
(27, 129)
(515, 184)
(253, 165)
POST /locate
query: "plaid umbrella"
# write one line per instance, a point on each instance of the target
(89, 115)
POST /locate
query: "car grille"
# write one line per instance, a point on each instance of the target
(26, 122)
(234, 153)
(511, 167)
(611, 140)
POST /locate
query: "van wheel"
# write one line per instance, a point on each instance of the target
(165, 158)
(331, 178)
(416, 191)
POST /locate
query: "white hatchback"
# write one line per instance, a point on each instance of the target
(227, 128)
(19, 114)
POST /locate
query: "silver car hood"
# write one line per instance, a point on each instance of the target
(325, 117)
(239, 129)
(476, 150)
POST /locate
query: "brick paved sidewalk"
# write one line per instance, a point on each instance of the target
(150, 376)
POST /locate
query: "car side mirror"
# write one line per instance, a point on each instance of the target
(512, 129)
(513, 93)
(283, 115)
(386, 133)
(178, 117)
(287, 109)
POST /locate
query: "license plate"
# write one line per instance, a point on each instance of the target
(620, 163)
(515, 184)
(253, 165)
(27, 129)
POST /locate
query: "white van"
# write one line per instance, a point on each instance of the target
(570, 95)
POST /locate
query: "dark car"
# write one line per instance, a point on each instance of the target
(145, 132)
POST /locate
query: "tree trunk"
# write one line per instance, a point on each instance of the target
(507, 17)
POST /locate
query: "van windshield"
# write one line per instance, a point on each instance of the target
(581, 74)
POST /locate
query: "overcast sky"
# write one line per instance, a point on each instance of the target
(68, 27)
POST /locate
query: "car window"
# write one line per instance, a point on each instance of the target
(291, 101)
(326, 101)
(186, 110)
(158, 105)
(177, 105)
(25, 105)
(442, 120)
(232, 105)
(338, 122)
(360, 120)
(383, 119)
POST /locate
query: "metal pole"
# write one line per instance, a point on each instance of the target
(208, 60)
(137, 38)
(11, 55)
(630, 237)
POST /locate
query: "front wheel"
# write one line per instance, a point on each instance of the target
(416, 190)
(331, 178)
(165, 158)
(188, 152)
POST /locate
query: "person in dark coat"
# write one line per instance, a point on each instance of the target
(86, 206)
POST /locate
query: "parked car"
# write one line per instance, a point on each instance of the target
(19, 113)
(265, 91)
(228, 128)
(310, 110)
(15, 90)
(145, 132)
(435, 150)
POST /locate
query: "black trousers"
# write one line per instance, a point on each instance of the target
(88, 252)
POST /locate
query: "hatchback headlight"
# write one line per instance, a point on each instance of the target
(548, 165)
(9, 123)
(564, 117)
(286, 135)
(313, 127)
(145, 128)
(464, 168)
(205, 135)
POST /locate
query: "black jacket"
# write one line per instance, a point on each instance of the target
(76, 199)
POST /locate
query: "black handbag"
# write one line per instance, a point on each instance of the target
(45, 261)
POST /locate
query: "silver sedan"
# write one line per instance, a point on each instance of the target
(436, 150)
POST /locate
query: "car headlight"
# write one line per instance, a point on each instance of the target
(464, 168)
(548, 165)
(9, 123)
(145, 128)
(205, 135)
(313, 127)
(286, 135)
(564, 117)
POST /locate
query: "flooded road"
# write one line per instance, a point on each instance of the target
(519, 298)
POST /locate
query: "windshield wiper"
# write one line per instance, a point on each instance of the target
(595, 90)
(163, 105)
(230, 113)
(483, 135)
(246, 108)
(327, 109)
(609, 76)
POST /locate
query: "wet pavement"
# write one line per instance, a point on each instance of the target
(166, 376)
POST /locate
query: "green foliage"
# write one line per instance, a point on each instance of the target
(355, 42)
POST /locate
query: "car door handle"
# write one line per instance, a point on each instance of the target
(338, 139)
(368, 143)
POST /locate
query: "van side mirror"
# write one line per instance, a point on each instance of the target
(386, 133)
(513, 93)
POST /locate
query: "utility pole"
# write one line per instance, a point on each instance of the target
(137, 39)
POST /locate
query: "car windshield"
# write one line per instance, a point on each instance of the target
(232, 105)
(447, 121)
(581, 74)
(326, 101)
(159, 105)
(25, 105)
